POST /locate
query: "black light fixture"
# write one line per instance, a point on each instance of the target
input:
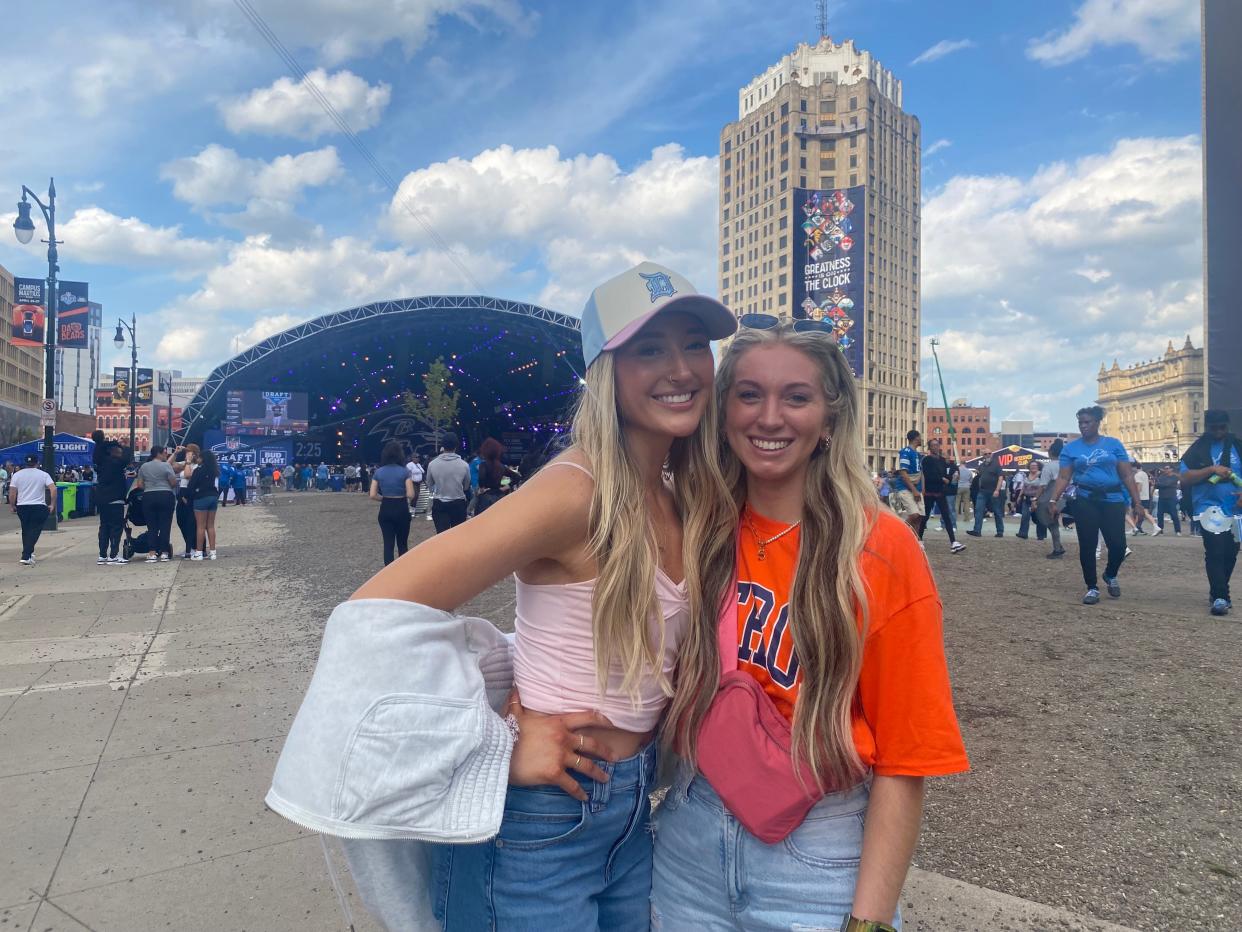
(118, 340)
(23, 226)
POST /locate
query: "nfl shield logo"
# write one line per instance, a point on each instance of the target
(658, 285)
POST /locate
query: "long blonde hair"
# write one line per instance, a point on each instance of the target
(828, 593)
(622, 533)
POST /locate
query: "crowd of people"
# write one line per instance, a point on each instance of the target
(1090, 484)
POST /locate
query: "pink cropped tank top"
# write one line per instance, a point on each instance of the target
(554, 651)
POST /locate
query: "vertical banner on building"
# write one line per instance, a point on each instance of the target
(29, 311)
(72, 331)
(829, 264)
(120, 385)
(145, 386)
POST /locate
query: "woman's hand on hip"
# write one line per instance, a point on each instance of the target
(549, 746)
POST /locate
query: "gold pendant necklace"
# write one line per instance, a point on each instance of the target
(763, 544)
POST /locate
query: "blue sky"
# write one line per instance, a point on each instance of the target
(552, 144)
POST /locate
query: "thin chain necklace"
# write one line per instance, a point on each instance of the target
(763, 544)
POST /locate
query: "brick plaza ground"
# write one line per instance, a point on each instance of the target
(142, 708)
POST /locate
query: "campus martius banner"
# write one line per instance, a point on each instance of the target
(29, 311)
(829, 264)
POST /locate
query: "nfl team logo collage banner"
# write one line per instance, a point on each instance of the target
(829, 264)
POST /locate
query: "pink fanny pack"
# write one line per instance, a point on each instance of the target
(744, 748)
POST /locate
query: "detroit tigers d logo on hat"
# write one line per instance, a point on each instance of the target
(618, 309)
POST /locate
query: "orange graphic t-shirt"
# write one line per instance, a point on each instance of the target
(903, 718)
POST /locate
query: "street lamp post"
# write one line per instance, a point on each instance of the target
(24, 228)
(118, 340)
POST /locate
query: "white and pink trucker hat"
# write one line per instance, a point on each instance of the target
(619, 307)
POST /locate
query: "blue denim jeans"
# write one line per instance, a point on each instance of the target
(982, 500)
(557, 864)
(712, 875)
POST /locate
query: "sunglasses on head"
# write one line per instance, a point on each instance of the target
(768, 321)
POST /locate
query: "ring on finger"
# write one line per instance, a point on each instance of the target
(581, 739)
(577, 761)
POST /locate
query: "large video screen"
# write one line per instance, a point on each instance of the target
(266, 413)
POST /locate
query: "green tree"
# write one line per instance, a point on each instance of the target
(438, 406)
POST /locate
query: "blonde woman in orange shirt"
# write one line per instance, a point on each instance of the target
(812, 691)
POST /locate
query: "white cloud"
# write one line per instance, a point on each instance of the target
(103, 238)
(581, 217)
(1051, 274)
(941, 49)
(286, 108)
(218, 175)
(181, 345)
(264, 327)
(114, 70)
(343, 31)
(260, 275)
(1161, 30)
(979, 231)
(263, 287)
(935, 147)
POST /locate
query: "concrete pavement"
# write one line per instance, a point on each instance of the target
(141, 710)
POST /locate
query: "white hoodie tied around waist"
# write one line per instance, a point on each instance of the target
(399, 742)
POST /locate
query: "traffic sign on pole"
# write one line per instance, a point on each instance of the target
(47, 414)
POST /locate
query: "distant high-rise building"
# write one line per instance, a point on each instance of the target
(1018, 434)
(819, 217)
(78, 370)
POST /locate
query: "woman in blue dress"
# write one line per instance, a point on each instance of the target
(1100, 467)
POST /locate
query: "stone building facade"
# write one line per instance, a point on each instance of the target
(1156, 407)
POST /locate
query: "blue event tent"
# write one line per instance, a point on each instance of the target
(70, 451)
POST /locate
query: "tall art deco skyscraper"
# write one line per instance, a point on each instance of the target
(819, 218)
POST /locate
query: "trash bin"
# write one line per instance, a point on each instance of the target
(86, 499)
(67, 498)
(336, 483)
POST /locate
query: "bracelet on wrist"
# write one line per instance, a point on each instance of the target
(854, 924)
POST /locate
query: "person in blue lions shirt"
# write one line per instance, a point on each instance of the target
(906, 497)
(1211, 471)
(1100, 468)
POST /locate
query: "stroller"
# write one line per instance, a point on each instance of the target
(134, 518)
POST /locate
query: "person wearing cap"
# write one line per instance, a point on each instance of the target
(1211, 476)
(32, 495)
(595, 542)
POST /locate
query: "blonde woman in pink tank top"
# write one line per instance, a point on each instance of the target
(595, 542)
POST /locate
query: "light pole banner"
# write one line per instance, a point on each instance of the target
(120, 384)
(29, 311)
(829, 264)
(72, 318)
(145, 386)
